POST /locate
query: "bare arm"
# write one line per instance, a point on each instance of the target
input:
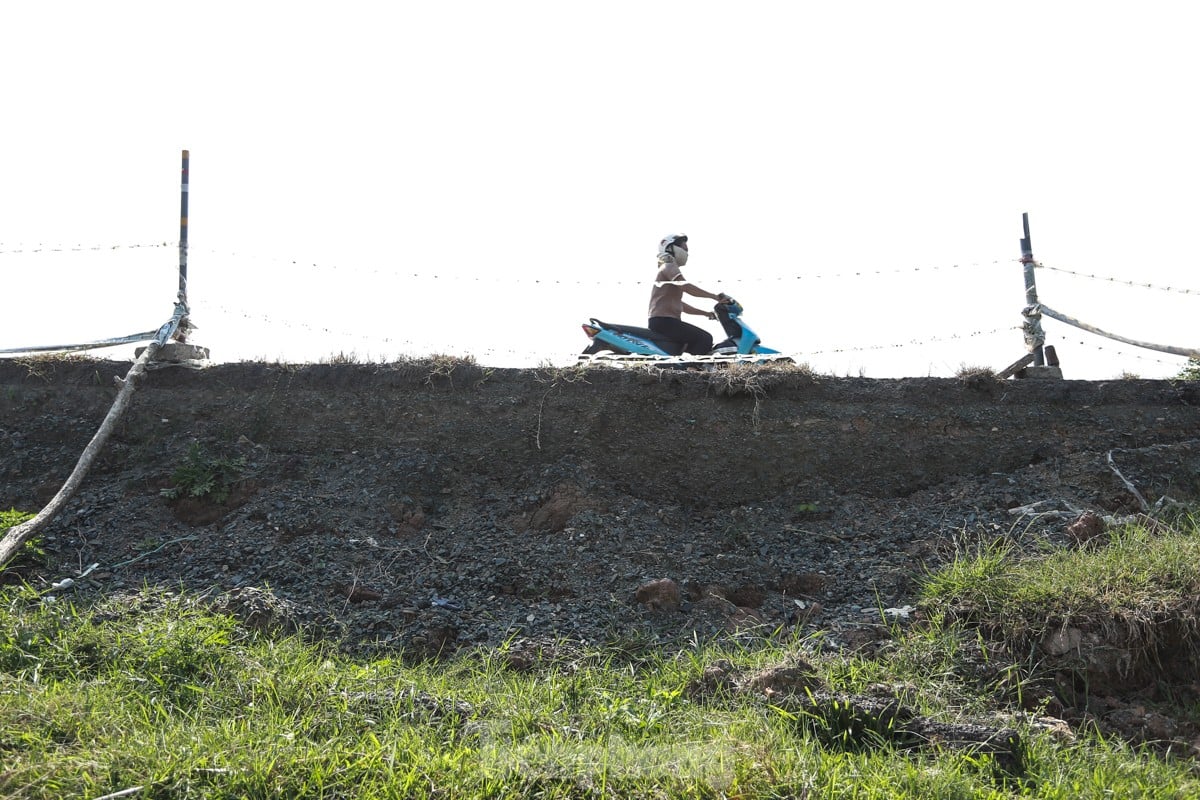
(696, 291)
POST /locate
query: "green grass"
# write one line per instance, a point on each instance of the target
(1190, 371)
(12, 517)
(1136, 578)
(153, 690)
(31, 552)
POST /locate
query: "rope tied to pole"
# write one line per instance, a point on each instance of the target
(1035, 337)
(1036, 312)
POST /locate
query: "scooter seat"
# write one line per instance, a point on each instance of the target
(667, 345)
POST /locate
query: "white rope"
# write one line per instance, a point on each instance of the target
(63, 348)
(166, 331)
(1035, 337)
(1061, 317)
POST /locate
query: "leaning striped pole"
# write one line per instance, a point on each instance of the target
(183, 243)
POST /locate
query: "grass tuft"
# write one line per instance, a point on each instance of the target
(1140, 572)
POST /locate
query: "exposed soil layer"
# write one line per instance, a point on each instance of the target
(429, 506)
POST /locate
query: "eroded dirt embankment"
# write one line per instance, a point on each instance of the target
(432, 506)
(690, 438)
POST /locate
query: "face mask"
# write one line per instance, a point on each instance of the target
(681, 255)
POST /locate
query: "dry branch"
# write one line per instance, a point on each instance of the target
(11, 544)
(1013, 368)
(1132, 489)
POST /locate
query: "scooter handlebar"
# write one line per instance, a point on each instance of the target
(727, 305)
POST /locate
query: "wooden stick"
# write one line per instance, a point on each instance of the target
(17, 535)
(1133, 489)
(1012, 368)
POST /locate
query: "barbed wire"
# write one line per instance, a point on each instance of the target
(23, 249)
(30, 249)
(430, 346)
(910, 343)
(410, 344)
(1121, 281)
(1124, 352)
(868, 273)
(489, 278)
(389, 341)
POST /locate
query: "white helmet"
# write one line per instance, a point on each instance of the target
(675, 245)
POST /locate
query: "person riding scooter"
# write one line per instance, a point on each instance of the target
(666, 299)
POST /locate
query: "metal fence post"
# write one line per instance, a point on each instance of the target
(1031, 298)
(183, 230)
(180, 325)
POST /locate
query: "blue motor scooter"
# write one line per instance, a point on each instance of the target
(629, 340)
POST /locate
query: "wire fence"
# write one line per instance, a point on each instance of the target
(360, 269)
(1117, 281)
(32, 249)
(525, 280)
(824, 342)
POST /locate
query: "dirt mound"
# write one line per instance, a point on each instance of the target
(429, 506)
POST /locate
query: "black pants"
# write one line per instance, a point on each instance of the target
(696, 341)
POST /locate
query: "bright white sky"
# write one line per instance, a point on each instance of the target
(480, 178)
